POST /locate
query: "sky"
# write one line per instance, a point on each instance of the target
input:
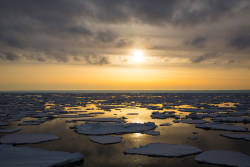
(124, 44)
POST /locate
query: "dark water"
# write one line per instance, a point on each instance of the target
(119, 104)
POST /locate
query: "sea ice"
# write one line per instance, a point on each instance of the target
(152, 132)
(3, 123)
(98, 120)
(193, 121)
(114, 128)
(166, 124)
(29, 157)
(164, 149)
(226, 127)
(106, 139)
(27, 138)
(224, 157)
(163, 115)
(9, 130)
(236, 136)
(233, 119)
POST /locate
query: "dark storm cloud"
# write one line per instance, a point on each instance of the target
(61, 30)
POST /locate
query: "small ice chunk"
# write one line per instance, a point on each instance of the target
(106, 139)
(27, 138)
(236, 136)
(29, 157)
(33, 122)
(166, 124)
(164, 149)
(74, 116)
(114, 128)
(152, 132)
(193, 121)
(226, 127)
(224, 157)
(9, 130)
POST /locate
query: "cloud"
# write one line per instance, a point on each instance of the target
(242, 39)
(198, 42)
(204, 57)
(85, 30)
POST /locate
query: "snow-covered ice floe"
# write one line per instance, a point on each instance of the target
(166, 124)
(9, 130)
(98, 120)
(33, 157)
(163, 115)
(226, 127)
(164, 149)
(152, 132)
(106, 139)
(236, 136)
(113, 128)
(27, 138)
(232, 119)
(193, 121)
(224, 157)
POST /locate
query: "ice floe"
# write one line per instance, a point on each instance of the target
(4, 123)
(9, 130)
(224, 157)
(98, 120)
(163, 115)
(192, 121)
(164, 149)
(29, 157)
(232, 119)
(106, 139)
(113, 128)
(236, 136)
(152, 132)
(166, 124)
(27, 138)
(226, 127)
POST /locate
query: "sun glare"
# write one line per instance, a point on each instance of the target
(138, 56)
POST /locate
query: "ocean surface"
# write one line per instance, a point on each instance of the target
(59, 110)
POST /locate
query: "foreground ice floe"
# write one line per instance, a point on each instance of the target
(113, 128)
(224, 157)
(32, 157)
(226, 127)
(236, 136)
(164, 149)
(27, 138)
(9, 130)
(106, 139)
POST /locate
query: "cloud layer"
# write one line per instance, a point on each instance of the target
(95, 31)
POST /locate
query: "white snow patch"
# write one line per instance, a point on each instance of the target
(164, 149)
(29, 157)
(224, 157)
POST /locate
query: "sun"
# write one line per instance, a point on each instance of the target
(138, 56)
